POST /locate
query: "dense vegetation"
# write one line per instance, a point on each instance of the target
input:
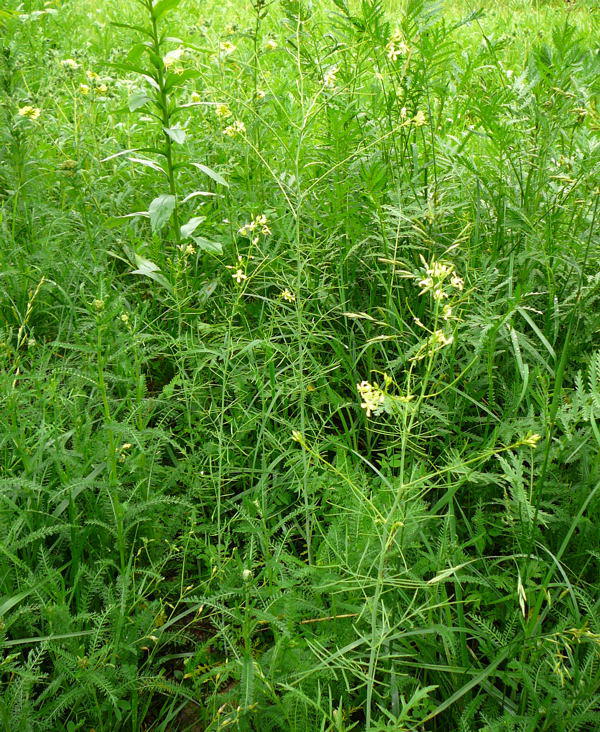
(300, 365)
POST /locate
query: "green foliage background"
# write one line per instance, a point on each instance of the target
(216, 219)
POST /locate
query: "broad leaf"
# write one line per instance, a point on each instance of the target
(191, 226)
(138, 100)
(177, 134)
(162, 6)
(152, 81)
(173, 80)
(208, 246)
(119, 154)
(160, 211)
(147, 268)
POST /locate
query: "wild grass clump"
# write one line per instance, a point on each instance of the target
(300, 379)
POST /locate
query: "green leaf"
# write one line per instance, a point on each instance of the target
(152, 81)
(162, 6)
(205, 245)
(137, 28)
(160, 211)
(177, 134)
(135, 53)
(147, 268)
(195, 194)
(211, 173)
(173, 80)
(148, 164)
(191, 226)
(138, 100)
(119, 154)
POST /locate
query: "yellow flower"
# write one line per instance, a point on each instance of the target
(288, 296)
(237, 128)
(271, 44)
(195, 97)
(69, 63)
(227, 48)
(84, 88)
(222, 111)
(29, 112)
(259, 222)
(239, 276)
(439, 339)
(98, 305)
(102, 88)
(92, 75)
(330, 77)
(397, 46)
(419, 119)
(372, 397)
(531, 440)
(457, 282)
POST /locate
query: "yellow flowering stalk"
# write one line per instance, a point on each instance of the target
(372, 398)
(397, 47)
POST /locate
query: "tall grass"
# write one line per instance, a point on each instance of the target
(300, 366)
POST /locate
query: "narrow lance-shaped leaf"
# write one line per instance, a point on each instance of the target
(211, 173)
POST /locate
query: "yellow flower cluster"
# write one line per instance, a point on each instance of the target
(372, 397)
(97, 85)
(69, 63)
(330, 77)
(397, 47)
(437, 274)
(29, 112)
(239, 275)
(259, 225)
(236, 128)
(227, 48)
(222, 111)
